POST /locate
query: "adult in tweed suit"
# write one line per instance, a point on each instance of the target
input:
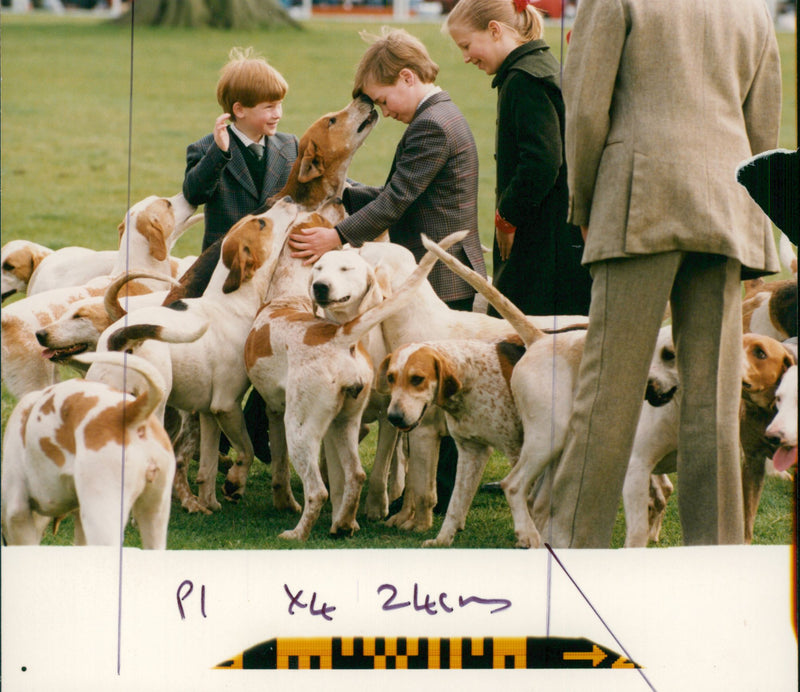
(664, 99)
(222, 170)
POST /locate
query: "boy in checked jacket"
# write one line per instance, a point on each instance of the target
(432, 187)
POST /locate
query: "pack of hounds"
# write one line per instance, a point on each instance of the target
(168, 348)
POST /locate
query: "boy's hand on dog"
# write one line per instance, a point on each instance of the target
(221, 135)
(310, 244)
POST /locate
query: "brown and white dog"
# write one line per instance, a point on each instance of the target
(84, 447)
(148, 231)
(469, 380)
(89, 322)
(764, 363)
(542, 385)
(208, 373)
(79, 328)
(18, 261)
(316, 377)
(316, 180)
(429, 318)
(770, 308)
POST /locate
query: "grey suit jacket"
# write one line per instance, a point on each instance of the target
(432, 188)
(222, 181)
(664, 100)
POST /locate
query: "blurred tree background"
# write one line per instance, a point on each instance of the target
(221, 14)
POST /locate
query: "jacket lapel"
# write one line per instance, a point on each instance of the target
(276, 163)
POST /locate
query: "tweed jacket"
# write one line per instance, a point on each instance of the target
(222, 181)
(432, 188)
(652, 150)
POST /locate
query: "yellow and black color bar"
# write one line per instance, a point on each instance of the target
(425, 653)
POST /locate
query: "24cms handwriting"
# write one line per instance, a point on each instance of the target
(433, 606)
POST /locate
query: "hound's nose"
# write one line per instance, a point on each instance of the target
(321, 291)
(397, 420)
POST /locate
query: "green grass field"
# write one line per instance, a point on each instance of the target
(69, 171)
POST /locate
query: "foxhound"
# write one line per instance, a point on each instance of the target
(429, 318)
(764, 363)
(146, 234)
(84, 447)
(208, 372)
(315, 377)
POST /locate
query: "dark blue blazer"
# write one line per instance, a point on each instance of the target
(222, 181)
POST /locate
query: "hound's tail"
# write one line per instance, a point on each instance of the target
(354, 330)
(154, 322)
(510, 312)
(146, 402)
(114, 309)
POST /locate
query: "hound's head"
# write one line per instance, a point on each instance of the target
(416, 376)
(782, 431)
(253, 244)
(19, 259)
(159, 222)
(764, 360)
(344, 284)
(76, 331)
(662, 380)
(325, 151)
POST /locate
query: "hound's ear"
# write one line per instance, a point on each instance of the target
(383, 280)
(121, 230)
(36, 258)
(381, 383)
(241, 270)
(152, 230)
(311, 165)
(449, 384)
(373, 295)
(314, 305)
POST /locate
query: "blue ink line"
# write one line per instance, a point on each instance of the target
(125, 363)
(594, 610)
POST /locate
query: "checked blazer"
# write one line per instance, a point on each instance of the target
(432, 188)
(222, 181)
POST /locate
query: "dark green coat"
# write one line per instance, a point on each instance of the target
(543, 275)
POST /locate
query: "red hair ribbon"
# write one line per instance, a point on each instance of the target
(520, 5)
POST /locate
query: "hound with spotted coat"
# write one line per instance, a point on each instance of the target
(80, 446)
(315, 377)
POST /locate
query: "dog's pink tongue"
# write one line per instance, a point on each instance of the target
(785, 458)
(47, 354)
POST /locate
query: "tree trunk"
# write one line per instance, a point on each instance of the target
(222, 14)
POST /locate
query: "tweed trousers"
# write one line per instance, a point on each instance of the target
(628, 300)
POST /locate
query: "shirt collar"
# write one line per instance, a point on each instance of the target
(244, 139)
